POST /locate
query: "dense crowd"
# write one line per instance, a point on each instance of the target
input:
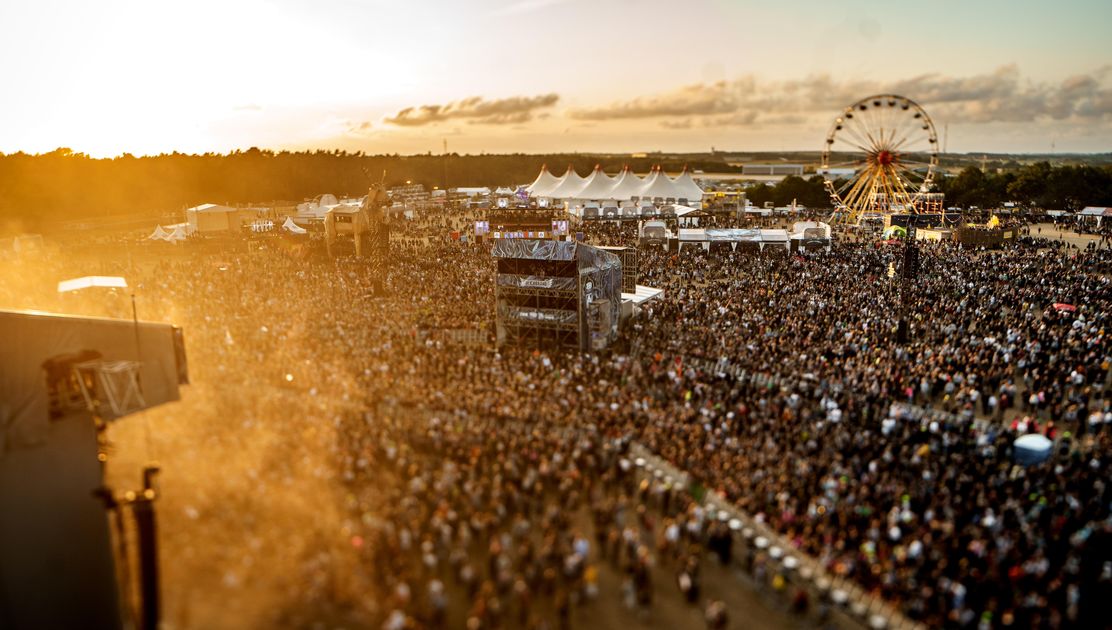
(481, 487)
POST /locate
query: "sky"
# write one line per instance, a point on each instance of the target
(407, 76)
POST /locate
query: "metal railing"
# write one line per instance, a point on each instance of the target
(856, 606)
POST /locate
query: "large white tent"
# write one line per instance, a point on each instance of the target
(600, 187)
(626, 186)
(210, 217)
(685, 188)
(544, 183)
(658, 186)
(570, 185)
(179, 234)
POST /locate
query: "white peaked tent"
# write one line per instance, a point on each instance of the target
(179, 234)
(159, 234)
(686, 188)
(657, 186)
(544, 183)
(293, 228)
(570, 186)
(626, 186)
(599, 186)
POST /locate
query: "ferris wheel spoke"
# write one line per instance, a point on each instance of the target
(914, 144)
(890, 126)
(861, 197)
(850, 197)
(915, 167)
(846, 186)
(849, 193)
(857, 145)
(860, 128)
(856, 138)
(854, 164)
(907, 129)
(898, 181)
(911, 168)
(869, 133)
(911, 179)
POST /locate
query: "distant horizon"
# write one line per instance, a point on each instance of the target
(631, 154)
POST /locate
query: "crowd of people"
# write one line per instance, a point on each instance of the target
(343, 463)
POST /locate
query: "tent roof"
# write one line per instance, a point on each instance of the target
(1094, 211)
(686, 188)
(626, 186)
(210, 207)
(179, 234)
(657, 185)
(643, 294)
(570, 186)
(683, 210)
(544, 183)
(599, 185)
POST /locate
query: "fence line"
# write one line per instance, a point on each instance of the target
(861, 607)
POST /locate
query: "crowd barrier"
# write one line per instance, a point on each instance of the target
(851, 606)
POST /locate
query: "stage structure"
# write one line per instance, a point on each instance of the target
(631, 268)
(556, 294)
(75, 553)
(368, 226)
(525, 223)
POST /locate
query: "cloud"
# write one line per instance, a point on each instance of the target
(358, 128)
(682, 123)
(476, 111)
(998, 96)
(721, 97)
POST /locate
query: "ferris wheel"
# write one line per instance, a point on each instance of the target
(879, 158)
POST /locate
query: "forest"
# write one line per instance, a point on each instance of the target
(1037, 185)
(41, 192)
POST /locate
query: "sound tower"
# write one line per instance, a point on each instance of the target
(556, 294)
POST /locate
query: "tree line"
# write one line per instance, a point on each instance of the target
(1037, 185)
(38, 192)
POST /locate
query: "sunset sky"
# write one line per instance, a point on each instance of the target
(145, 77)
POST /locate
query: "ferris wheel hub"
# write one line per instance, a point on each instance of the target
(885, 158)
